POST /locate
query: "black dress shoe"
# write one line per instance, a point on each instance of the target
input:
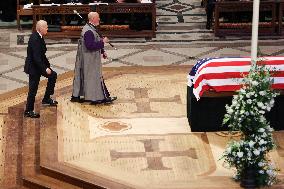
(96, 102)
(31, 114)
(77, 99)
(49, 102)
(110, 99)
(104, 101)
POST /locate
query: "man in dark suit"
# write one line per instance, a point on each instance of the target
(210, 6)
(37, 65)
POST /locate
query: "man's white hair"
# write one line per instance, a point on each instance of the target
(91, 15)
(40, 24)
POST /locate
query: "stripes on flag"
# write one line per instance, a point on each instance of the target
(226, 74)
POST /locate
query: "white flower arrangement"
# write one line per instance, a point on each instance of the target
(246, 114)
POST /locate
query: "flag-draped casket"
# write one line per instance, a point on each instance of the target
(213, 81)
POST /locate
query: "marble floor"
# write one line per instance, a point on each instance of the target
(141, 140)
(181, 40)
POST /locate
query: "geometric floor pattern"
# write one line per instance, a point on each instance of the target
(62, 56)
(181, 39)
(145, 135)
(142, 140)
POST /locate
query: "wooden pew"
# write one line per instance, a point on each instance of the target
(22, 12)
(63, 11)
(244, 27)
(132, 9)
(280, 18)
(106, 29)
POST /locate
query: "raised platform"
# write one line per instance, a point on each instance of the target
(142, 140)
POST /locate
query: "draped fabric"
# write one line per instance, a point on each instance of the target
(88, 80)
(226, 74)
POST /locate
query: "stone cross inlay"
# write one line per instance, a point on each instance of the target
(142, 100)
(153, 154)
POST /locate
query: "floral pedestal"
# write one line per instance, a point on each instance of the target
(248, 178)
(246, 114)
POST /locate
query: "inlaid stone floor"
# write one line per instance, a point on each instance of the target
(181, 40)
(142, 140)
(62, 56)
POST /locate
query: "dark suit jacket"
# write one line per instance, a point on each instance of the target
(36, 61)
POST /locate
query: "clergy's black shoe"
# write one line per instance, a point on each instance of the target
(110, 99)
(77, 99)
(49, 102)
(31, 114)
(96, 102)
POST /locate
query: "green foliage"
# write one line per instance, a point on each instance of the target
(246, 114)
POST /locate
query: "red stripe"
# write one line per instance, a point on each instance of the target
(278, 86)
(204, 88)
(231, 63)
(226, 75)
(220, 64)
(219, 88)
(231, 88)
(230, 75)
(227, 88)
(271, 62)
(240, 63)
(277, 73)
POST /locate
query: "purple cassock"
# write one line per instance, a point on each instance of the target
(89, 39)
(88, 79)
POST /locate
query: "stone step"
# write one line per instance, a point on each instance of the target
(45, 182)
(23, 187)
(179, 25)
(31, 174)
(176, 32)
(75, 177)
(30, 146)
(182, 28)
(12, 142)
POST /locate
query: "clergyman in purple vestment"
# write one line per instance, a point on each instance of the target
(88, 83)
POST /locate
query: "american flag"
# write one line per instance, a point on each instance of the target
(194, 69)
(226, 73)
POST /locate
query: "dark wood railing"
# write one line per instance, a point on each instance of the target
(235, 18)
(107, 27)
